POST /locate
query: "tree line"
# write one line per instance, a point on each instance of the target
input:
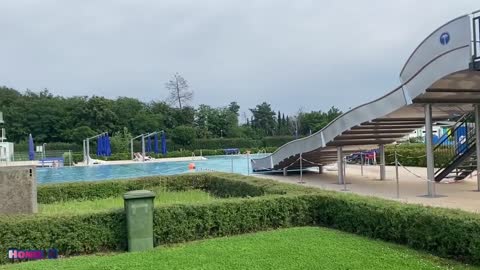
(52, 118)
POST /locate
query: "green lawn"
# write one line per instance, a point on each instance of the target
(297, 248)
(162, 197)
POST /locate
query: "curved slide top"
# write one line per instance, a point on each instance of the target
(439, 72)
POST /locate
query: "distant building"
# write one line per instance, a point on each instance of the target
(439, 129)
(6, 148)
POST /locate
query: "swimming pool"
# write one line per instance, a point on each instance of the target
(102, 172)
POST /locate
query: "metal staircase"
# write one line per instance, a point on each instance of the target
(455, 154)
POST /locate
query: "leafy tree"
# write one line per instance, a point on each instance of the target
(179, 90)
(264, 118)
(183, 135)
(78, 134)
(120, 141)
(53, 118)
(316, 120)
(234, 108)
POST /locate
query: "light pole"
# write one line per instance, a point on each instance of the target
(44, 150)
(221, 133)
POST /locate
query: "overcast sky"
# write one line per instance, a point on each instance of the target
(292, 54)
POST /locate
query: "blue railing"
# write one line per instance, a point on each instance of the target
(454, 145)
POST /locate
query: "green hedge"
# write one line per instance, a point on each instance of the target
(413, 154)
(211, 144)
(219, 186)
(444, 232)
(276, 141)
(57, 146)
(78, 157)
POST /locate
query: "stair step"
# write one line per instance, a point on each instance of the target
(469, 167)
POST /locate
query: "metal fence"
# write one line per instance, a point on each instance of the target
(46, 157)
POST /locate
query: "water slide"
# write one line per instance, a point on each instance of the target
(441, 71)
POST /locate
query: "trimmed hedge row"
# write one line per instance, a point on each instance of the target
(444, 232)
(219, 186)
(211, 144)
(413, 154)
(221, 143)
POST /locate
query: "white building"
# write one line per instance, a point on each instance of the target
(6, 148)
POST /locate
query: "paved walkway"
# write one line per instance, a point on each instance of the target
(461, 195)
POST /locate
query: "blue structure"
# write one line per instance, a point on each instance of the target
(155, 143)
(164, 143)
(461, 139)
(31, 148)
(148, 146)
(231, 151)
(103, 146)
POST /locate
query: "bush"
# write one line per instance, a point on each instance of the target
(413, 154)
(221, 187)
(183, 135)
(444, 232)
(23, 146)
(222, 143)
(276, 141)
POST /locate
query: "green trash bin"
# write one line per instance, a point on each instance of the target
(139, 211)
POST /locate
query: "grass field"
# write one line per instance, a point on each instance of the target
(163, 197)
(297, 248)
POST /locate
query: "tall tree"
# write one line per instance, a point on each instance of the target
(179, 91)
(279, 121)
(264, 118)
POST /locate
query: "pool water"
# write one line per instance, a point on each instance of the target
(102, 172)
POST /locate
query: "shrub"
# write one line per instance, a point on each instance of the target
(444, 232)
(222, 143)
(23, 146)
(413, 154)
(276, 141)
(219, 186)
(183, 135)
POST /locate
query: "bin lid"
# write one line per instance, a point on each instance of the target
(138, 194)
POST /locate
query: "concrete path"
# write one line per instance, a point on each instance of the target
(461, 195)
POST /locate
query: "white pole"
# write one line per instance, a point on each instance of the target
(477, 139)
(429, 143)
(382, 161)
(88, 152)
(131, 149)
(340, 165)
(344, 174)
(70, 157)
(396, 173)
(361, 163)
(248, 163)
(84, 152)
(301, 169)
